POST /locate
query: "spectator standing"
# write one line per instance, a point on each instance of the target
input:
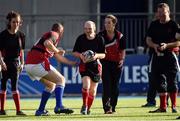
(152, 92)
(164, 63)
(112, 64)
(12, 44)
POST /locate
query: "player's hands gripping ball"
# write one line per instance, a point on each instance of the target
(88, 55)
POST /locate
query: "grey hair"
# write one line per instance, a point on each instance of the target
(92, 23)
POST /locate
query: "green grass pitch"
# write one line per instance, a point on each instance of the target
(128, 109)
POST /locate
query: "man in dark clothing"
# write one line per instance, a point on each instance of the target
(164, 63)
(151, 94)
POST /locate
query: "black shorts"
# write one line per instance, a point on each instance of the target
(164, 72)
(92, 69)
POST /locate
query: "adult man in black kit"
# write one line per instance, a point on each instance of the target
(164, 64)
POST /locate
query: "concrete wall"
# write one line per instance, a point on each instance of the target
(45, 6)
(39, 15)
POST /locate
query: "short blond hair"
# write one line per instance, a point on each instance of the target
(91, 23)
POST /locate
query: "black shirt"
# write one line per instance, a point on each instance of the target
(96, 45)
(162, 33)
(11, 44)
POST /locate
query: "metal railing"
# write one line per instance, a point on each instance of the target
(132, 25)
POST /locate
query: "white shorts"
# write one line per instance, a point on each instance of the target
(37, 71)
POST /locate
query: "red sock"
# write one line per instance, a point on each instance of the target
(85, 96)
(90, 101)
(16, 98)
(173, 97)
(163, 100)
(3, 99)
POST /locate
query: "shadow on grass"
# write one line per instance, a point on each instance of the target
(93, 116)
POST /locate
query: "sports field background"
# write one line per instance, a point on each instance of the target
(128, 109)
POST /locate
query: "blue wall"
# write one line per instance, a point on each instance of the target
(134, 78)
